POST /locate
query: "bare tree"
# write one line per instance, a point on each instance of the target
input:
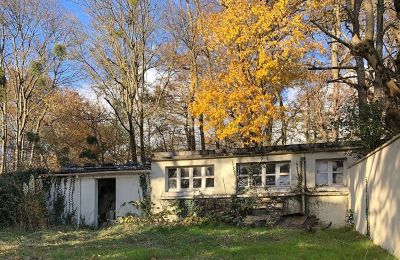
(35, 64)
(365, 24)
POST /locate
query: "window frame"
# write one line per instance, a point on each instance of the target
(264, 174)
(203, 177)
(330, 172)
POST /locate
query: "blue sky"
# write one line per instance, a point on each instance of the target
(76, 9)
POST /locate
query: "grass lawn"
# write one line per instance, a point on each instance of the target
(220, 242)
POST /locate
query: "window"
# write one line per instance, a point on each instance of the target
(250, 174)
(329, 172)
(190, 178)
(263, 174)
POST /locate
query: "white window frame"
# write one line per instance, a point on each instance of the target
(264, 174)
(178, 178)
(330, 172)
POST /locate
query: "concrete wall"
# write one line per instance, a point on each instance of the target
(225, 180)
(381, 169)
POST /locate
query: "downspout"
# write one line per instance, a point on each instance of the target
(304, 183)
(80, 201)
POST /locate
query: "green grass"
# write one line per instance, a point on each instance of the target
(220, 242)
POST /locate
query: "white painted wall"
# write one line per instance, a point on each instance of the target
(225, 180)
(85, 195)
(127, 189)
(88, 199)
(382, 170)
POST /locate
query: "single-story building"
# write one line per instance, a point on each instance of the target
(313, 178)
(96, 195)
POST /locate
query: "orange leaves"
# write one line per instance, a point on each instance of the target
(259, 49)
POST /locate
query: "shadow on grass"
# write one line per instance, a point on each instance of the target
(199, 242)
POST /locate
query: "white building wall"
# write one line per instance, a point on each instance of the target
(225, 180)
(88, 201)
(128, 189)
(381, 169)
(85, 195)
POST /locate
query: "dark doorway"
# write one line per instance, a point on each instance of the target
(106, 200)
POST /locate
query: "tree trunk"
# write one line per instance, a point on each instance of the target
(36, 132)
(335, 74)
(202, 137)
(132, 140)
(141, 138)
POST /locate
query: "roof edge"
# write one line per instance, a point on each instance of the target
(265, 150)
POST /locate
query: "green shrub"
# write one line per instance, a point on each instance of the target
(217, 210)
(22, 200)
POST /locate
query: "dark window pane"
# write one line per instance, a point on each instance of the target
(184, 172)
(196, 183)
(197, 172)
(337, 166)
(244, 169)
(270, 180)
(172, 184)
(185, 184)
(285, 168)
(243, 181)
(321, 179)
(210, 171)
(172, 172)
(337, 178)
(209, 182)
(284, 180)
(257, 181)
(270, 168)
(255, 169)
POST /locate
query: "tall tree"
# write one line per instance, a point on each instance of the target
(367, 28)
(36, 61)
(260, 49)
(120, 56)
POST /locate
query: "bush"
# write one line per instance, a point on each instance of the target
(22, 200)
(216, 210)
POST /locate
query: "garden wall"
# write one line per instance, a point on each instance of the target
(374, 183)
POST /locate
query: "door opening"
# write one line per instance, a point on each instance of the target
(106, 200)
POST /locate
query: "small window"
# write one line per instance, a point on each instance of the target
(270, 171)
(197, 177)
(190, 178)
(172, 178)
(261, 175)
(329, 172)
(209, 177)
(337, 172)
(321, 178)
(250, 175)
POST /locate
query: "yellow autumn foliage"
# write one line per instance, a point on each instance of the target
(259, 50)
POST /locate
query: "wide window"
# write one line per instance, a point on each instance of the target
(329, 172)
(263, 174)
(190, 178)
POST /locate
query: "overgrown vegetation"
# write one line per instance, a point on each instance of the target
(31, 203)
(230, 210)
(22, 200)
(366, 123)
(128, 241)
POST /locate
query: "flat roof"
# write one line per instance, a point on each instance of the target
(101, 170)
(256, 151)
(102, 174)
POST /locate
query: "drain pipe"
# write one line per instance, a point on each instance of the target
(304, 183)
(80, 201)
